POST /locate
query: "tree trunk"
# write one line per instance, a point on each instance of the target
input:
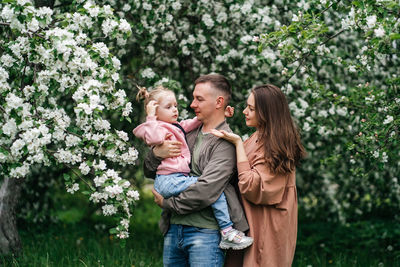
(10, 242)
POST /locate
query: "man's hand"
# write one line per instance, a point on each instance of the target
(229, 111)
(158, 199)
(168, 149)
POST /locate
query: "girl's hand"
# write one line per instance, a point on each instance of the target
(151, 108)
(231, 137)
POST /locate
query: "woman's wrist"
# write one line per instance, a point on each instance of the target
(238, 141)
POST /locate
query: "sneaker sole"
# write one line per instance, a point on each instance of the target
(226, 245)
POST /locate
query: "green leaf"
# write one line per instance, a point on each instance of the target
(66, 176)
(113, 231)
(395, 36)
(260, 48)
(2, 150)
(111, 146)
(122, 243)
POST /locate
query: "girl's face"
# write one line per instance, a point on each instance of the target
(167, 110)
(250, 112)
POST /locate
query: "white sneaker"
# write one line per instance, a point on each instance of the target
(235, 239)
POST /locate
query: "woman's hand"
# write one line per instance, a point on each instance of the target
(158, 199)
(231, 137)
(168, 149)
(234, 139)
(151, 108)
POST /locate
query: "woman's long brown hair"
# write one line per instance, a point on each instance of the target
(281, 140)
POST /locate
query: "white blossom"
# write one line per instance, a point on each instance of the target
(133, 194)
(124, 26)
(176, 5)
(10, 128)
(123, 234)
(148, 73)
(33, 25)
(379, 32)
(207, 20)
(371, 21)
(73, 188)
(388, 119)
(84, 168)
(7, 60)
(384, 157)
(109, 210)
(113, 190)
(147, 6)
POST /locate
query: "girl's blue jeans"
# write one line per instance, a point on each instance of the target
(174, 183)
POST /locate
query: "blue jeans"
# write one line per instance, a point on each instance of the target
(174, 183)
(186, 246)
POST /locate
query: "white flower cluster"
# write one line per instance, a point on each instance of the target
(213, 36)
(200, 35)
(64, 66)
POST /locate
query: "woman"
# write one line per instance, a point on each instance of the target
(266, 165)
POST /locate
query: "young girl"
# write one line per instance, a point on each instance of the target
(173, 173)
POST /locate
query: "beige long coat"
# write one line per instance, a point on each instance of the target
(270, 204)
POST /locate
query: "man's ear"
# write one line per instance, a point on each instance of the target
(220, 102)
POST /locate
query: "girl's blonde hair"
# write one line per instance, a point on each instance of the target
(152, 95)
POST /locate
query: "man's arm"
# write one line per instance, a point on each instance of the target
(150, 164)
(210, 184)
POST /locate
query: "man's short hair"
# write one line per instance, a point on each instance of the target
(218, 82)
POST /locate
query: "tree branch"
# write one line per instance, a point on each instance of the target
(333, 36)
(80, 177)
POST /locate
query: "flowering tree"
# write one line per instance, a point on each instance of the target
(340, 63)
(58, 91)
(335, 60)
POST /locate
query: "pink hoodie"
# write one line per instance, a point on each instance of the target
(153, 132)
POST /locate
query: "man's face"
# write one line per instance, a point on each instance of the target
(204, 101)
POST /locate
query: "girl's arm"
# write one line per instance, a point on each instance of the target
(190, 124)
(151, 132)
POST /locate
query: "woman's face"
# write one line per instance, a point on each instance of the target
(250, 112)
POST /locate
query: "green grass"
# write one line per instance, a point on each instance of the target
(368, 243)
(80, 244)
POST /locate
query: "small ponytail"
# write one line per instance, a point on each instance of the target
(152, 95)
(142, 94)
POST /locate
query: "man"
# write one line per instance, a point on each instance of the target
(190, 229)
